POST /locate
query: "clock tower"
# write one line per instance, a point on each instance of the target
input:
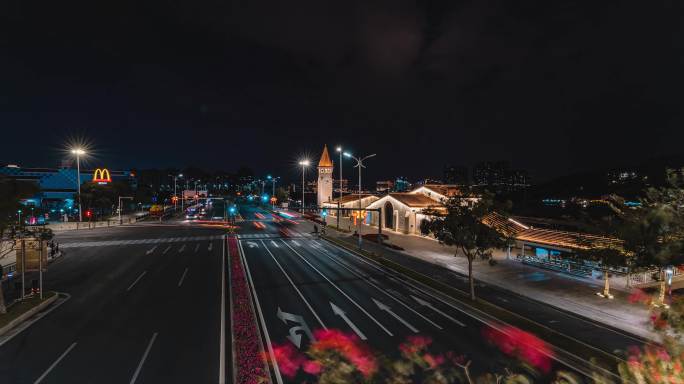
(325, 177)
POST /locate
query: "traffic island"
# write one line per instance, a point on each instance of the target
(248, 362)
(23, 310)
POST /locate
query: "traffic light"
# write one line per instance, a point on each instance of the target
(324, 213)
(89, 213)
(264, 198)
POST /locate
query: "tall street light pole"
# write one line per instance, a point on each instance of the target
(304, 164)
(78, 152)
(339, 201)
(359, 164)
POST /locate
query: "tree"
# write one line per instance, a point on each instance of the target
(282, 194)
(653, 234)
(461, 226)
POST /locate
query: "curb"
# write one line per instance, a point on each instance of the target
(23, 317)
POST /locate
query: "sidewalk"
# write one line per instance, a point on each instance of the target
(568, 293)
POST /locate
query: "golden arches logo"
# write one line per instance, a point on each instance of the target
(102, 176)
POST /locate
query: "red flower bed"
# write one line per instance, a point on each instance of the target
(248, 360)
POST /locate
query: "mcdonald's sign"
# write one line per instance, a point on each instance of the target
(102, 176)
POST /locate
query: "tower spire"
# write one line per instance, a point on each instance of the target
(325, 158)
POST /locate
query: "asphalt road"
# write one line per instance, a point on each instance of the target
(302, 283)
(144, 307)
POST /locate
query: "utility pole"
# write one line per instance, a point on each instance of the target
(304, 164)
(359, 164)
(339, 201)
(120, 198)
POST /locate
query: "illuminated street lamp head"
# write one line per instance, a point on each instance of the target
(347, 154)
(304, 163)
(339, 149)
(78, 151)
(180, 175)
(269, 177)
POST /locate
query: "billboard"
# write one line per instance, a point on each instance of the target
(31, 251)
(102, 176)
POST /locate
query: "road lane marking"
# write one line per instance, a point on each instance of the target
(340, 290)
(23, 326)
(211, 246)
(296, 243)
(295, 287)
(428, 305)
(197, 247)
(386, 308)
(166, 250)
(273, 243)
(144, 357)
(136, 280)
(62, 356)
(279, 379)
(372, 282)
(180, 282)
(181, 249)
(151, 250)
(222, 351)
(339, 312)
(294, 337)
(477, 315)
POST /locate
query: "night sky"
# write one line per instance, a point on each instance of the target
(552, 86)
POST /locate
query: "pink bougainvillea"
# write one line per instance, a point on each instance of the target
(522, 345)
(248, 360)
(349, 346)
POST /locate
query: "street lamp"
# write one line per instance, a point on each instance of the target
(79, 152)
(339, 202)
(19, 212)
(304, 164)
(273, 181)
(359, 164)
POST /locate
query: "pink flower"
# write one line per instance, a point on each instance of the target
(349, 346)
(288, 358)
(523, 345)
(312, 367)
(433, 361)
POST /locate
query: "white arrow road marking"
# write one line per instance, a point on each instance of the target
(294, 336)
(340, 290)
(151, 250)
(182, 248)
(427, 304)
(211, 246)
(252, 244)
(384, 307)
(295, 242)
(197, 247)
(180, 282)
(274, 244)
(339, 312)
(166, 250)
(294, 286)
(136, 280)
(62, 356)
(376, 284)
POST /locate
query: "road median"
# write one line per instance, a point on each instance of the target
(22, 311)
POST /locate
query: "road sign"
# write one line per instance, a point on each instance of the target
(30, 254)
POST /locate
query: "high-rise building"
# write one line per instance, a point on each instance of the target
(325, 178)
(455, 175)
(384, 186)
(401, 184)
(499, 176)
